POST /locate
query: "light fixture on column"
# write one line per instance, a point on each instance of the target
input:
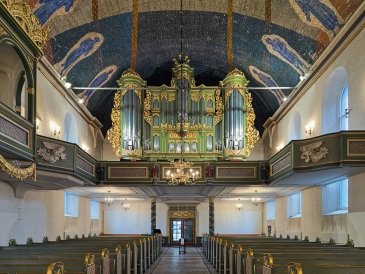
(125, 205)
(255, 200)
(239, 205)
(109, 200)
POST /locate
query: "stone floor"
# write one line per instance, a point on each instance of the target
(193, 261)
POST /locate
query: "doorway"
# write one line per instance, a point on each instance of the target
(182, 228)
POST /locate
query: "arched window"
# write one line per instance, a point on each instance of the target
(344, 108)
(71, 131)
(331, 100)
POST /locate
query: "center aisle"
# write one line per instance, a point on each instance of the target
(171, 261)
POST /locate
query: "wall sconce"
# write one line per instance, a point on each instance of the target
(308, 129)
(56, 129)
(239, 205)
(279, 147)
(255, 200)
(85, 147)
(37, 122)
(125, 205)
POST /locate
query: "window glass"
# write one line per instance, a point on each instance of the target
(94, 210)
(295, 205)
(271, 210)
(71, 204)
(335, 198)
(344, 108)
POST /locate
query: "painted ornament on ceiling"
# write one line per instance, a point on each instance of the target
(267, 81)
(278, 47)
(102, 78)
(318, 13)
(48, 9)
(86, 46)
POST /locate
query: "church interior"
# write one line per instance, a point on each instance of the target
(193, 118)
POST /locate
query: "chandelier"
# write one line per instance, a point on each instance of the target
(183, 173)
(255, 200)
(109, 200)
(239, 205)
(125, 205)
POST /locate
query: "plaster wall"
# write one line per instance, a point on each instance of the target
(320, 100)
(228, 220)
(311, 106)
(41, 213)
(136, 220)
(313, 224)
(10, 69)
(52, 107)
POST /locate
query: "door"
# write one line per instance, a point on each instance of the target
(182, 228)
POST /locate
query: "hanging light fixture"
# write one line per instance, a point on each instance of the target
(125, 205)
(109, 200)
(183, 173)
(255, 200)
(239, 205)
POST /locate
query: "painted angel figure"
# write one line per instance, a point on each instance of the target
(97, 82)
(325, 15)
(84, 48)
(280, 47)
(48, 8)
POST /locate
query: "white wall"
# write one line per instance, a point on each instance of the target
(350, 62)
(203, 219)
(313, 224)
(228, 220)
(136, 220)
(52, 107)
(162, 218)
(39, 214)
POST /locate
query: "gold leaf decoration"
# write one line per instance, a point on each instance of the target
(13, 171)
(114, 133)
(23, 15)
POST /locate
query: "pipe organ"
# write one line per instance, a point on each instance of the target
(214, 122)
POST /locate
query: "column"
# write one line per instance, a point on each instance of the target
(153, 214)
(211, 216)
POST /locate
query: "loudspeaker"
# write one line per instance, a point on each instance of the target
(265, 173)
(100, 171)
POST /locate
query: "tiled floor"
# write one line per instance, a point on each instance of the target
(193, 261)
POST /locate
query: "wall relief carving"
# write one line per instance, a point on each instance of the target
(313, 152)
(52, 152)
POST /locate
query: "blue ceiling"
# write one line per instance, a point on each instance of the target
(95, 53)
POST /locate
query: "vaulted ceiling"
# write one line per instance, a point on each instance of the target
(273, 42)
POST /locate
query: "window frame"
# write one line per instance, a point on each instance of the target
(337, 207)
(343, 120)
(298, 214)
(70, 197)
(92, 217)
(269, 210)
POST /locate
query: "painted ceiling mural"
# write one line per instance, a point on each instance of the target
(273, 42)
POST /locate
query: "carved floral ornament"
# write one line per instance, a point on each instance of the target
(22, 13)
(15, 171)
(51, 152)
(313, 152)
